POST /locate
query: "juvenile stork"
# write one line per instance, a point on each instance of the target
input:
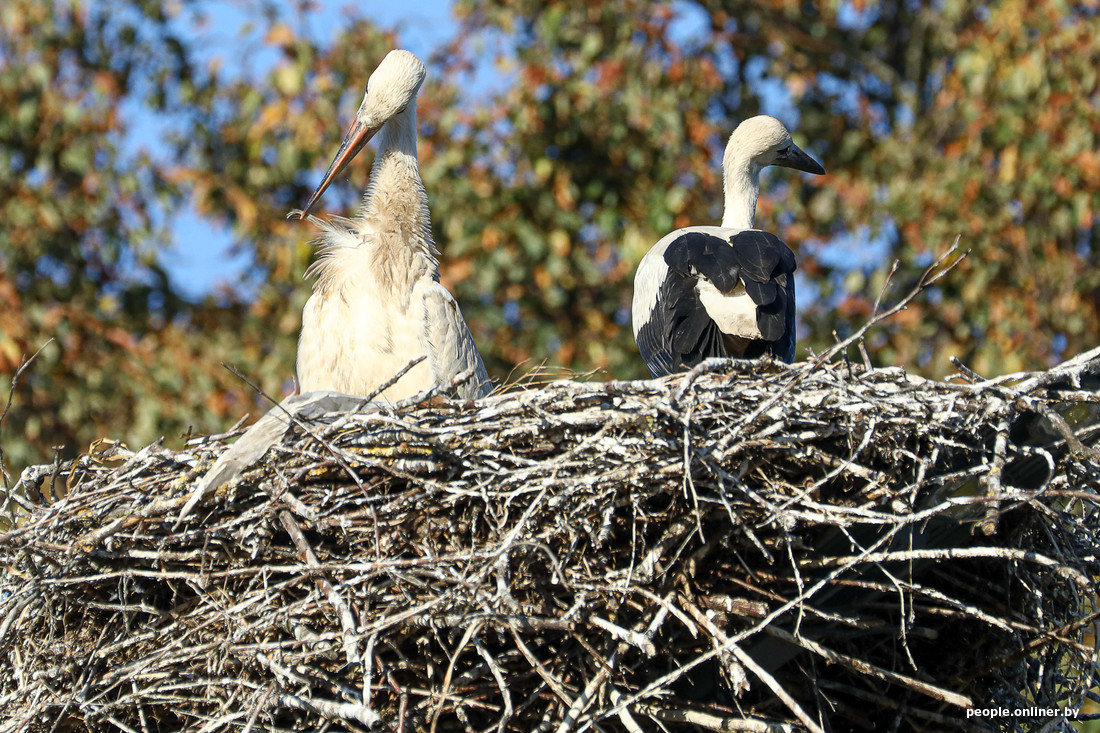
(725, 291)
(377, 302)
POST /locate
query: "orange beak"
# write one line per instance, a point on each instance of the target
(357, 136)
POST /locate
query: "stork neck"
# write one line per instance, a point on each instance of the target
(395, 175)
(742, 185)
(397, 138)
(396, 194)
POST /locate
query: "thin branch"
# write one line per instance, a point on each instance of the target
(935, 272)
(11, 393)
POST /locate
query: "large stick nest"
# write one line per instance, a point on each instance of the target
(751, 547)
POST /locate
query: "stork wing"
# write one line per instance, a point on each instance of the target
(719, 294)
(450, 346)
(679, 332)
(266, 432)
(767, 269)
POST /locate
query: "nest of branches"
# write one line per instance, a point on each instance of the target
(750, 546)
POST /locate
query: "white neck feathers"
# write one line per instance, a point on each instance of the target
(395, 191)
(394, 224)
(741, 184)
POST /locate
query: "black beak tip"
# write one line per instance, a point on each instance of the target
(800, 160)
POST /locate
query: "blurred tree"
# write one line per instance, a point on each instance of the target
(979, 119)
(84, 219)
(601, 132)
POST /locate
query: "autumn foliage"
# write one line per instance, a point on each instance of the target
(558, 141)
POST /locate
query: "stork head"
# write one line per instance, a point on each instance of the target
(390, 90)
(762, 141)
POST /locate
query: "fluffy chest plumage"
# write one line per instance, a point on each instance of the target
(357, 340)
(366, 318)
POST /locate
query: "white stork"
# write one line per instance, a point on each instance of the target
(725, 291)
(377, 303)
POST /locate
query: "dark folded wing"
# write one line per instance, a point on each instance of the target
(766, 267)
(679, 332)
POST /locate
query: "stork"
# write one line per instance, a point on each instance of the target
(377, 303)
(725, 291)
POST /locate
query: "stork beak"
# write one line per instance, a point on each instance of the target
(357, 136)
(797, 158)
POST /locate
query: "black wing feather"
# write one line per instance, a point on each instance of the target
(679, 332)
(767, 269)
(696, 254)
(763, 293)
(762, 255)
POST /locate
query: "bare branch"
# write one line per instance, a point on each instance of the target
(23, 366)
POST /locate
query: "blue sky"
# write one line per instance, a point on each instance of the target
(200, 262)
